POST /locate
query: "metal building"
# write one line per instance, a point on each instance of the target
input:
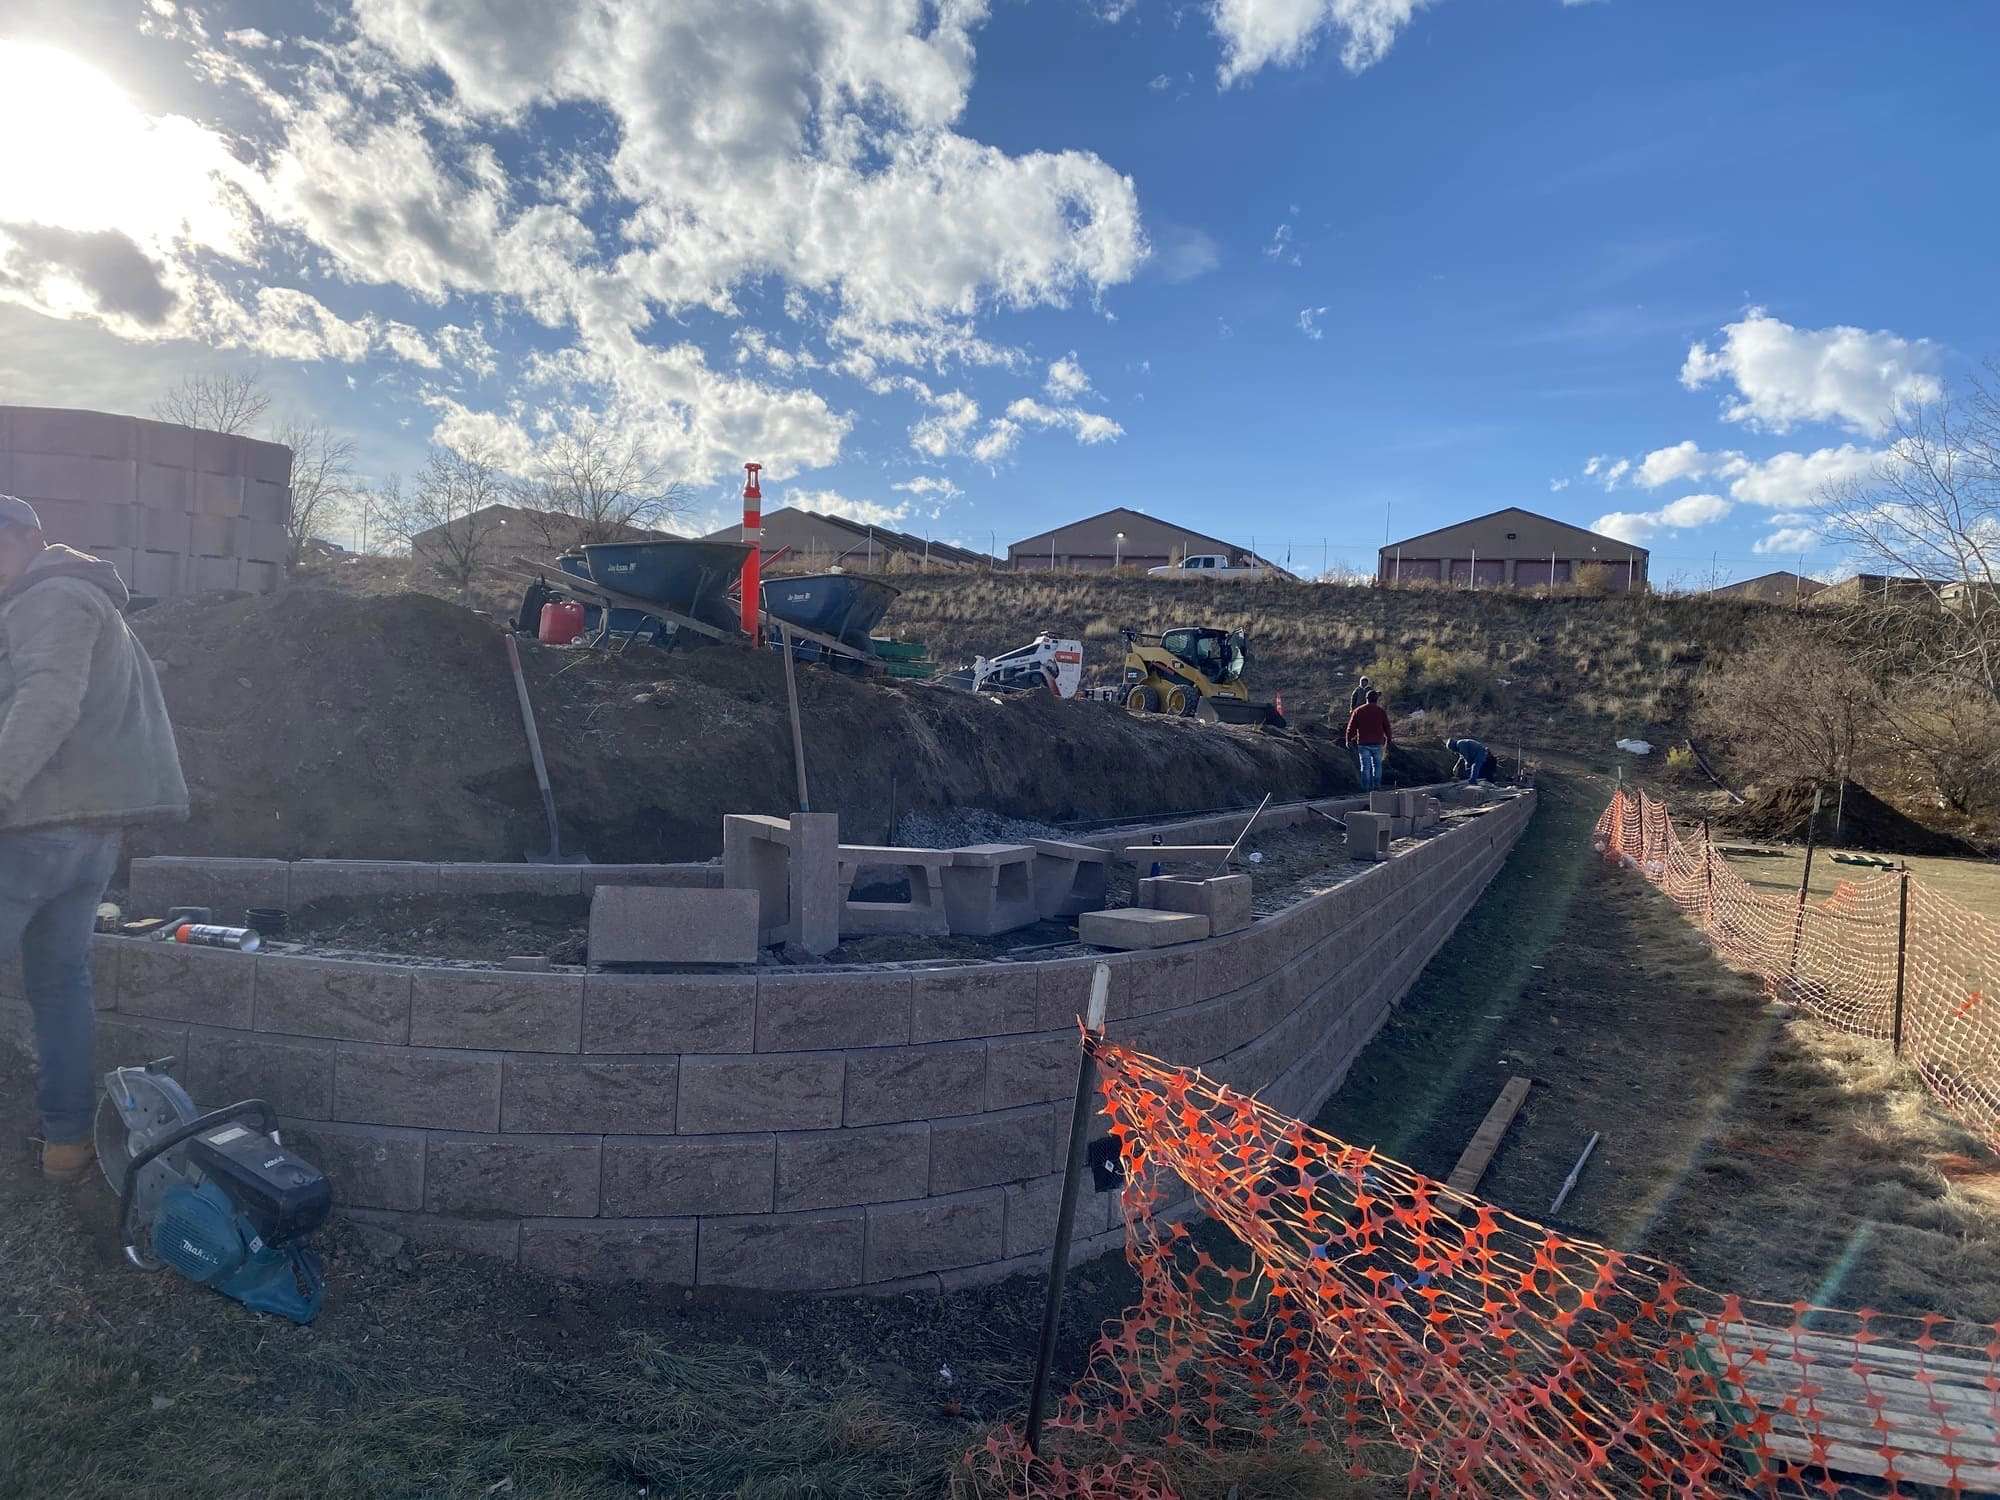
(1512, 548)
(1120, 537)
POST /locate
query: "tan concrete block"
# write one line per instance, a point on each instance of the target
(719, 1174)
(596, 1095)
(1138, 928)
(1369, 835)
(706, 1013)
(171, 982)
(484, 1176)
(816, 1251)
(935, 1234)
(813, 882)
(770, 1091)
(496, 1008)
(327, 997)
(404, 1086)
(632, 924)
(915, 1083)
(841, 1168)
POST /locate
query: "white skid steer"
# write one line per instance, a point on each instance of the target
(1046, 665)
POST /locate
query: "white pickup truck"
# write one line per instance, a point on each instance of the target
(1209, 565)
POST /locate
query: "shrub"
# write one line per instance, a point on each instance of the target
(1428, 676)
(1680, 760)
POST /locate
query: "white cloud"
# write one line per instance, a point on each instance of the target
(1596, 462)
(500, 439)
(1783, 375)
(1257, 33)
(944, 431)
(1640, 527)
(929, 484)
(1614, 472)
(1181, 254)
(1685, 460)
(1281, 248)
(1066, 379)
(1309, 322)
(1557, 486)
(1089, 426)
(1160, 83)
(1791, 539)
(1794, 480)
(998, 442)
(861, 512)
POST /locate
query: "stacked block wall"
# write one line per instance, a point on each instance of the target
(811, 1130)
(176, 510)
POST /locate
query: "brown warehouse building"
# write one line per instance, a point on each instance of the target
(1120, 537)
(1512, 548)
(817, 539)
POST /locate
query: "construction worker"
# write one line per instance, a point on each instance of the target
(1360, 695)
(85, 749)
(1369, 733)
(1472, 758)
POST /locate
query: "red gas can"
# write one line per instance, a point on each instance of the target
(562, 623)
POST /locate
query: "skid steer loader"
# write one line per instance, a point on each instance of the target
(1180, 670)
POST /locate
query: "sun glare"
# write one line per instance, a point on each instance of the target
(82, 155)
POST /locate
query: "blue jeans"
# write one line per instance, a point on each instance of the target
(51, 881)
(1476, 768)
(1369, 759)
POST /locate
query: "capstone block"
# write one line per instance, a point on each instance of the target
(636, 924)
(1136, 927)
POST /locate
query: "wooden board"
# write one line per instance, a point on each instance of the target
(1857, 1400)
(1486, 1139)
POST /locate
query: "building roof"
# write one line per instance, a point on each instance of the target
(1781, 578)
(1409, 542)
(1211, 543)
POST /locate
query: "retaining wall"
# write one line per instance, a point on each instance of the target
(179, 511)
(831, 1130)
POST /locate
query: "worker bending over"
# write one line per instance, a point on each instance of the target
(85, 749)
(1472, 759)
(1369, 733)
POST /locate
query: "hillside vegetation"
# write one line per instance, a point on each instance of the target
(1562, 671)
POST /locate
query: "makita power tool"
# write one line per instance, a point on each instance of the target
(216, 1195)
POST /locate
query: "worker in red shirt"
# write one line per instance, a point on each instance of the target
(1369, 733)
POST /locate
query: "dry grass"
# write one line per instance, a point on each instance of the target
(1973, 883)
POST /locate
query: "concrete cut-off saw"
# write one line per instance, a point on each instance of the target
(214, 1195)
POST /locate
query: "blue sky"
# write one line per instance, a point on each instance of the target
(1304, 271)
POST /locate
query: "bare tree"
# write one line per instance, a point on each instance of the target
(1928, 518)
(322, 480)
(446, 514)
(1794, 703)
(595, 484)
(218, 402)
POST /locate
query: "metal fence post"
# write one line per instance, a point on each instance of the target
(1902, 950)
(1079, 1129)
(1707, 875)
(1799, 918)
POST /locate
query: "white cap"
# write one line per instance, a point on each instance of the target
(14, 511)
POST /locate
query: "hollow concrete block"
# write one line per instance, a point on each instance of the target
(658, 924)
(1368, 835)
(1070, 879)
(1223, 899)
(1382, 803)
(813, 879)
(756, 856)
(990, 889)
(1140, 928)
(924, 912)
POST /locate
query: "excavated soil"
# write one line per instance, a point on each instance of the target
(1865, 821)
(323, 724)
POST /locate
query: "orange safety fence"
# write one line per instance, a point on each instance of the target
(1366, 1318)
(1838, 958)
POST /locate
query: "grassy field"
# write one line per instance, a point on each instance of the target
(1972, 883)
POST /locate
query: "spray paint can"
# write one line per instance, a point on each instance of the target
(205, 935)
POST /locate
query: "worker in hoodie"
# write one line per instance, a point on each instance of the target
(85, 750)
(1369, 733)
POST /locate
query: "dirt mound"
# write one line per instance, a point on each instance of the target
(1864, 821)
(320, 723)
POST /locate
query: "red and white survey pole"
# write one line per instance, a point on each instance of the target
(753, 533)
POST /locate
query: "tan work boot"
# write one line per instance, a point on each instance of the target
(67, 1161)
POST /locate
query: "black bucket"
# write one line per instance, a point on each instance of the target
(268, 920)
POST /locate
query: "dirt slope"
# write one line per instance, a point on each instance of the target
(319, 723)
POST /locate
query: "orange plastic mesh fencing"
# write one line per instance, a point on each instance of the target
(1837, 958)
(1361, 1312)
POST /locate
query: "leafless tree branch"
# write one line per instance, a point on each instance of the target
(215, 402)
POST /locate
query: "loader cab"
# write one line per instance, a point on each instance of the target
(1217, 654)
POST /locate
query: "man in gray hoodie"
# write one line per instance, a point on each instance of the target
(85, 749)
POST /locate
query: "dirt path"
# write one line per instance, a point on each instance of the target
(1764, 1153)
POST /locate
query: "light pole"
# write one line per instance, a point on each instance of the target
(1117, 550)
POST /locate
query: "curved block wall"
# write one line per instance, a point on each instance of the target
(884, 1129)
(178, 511)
